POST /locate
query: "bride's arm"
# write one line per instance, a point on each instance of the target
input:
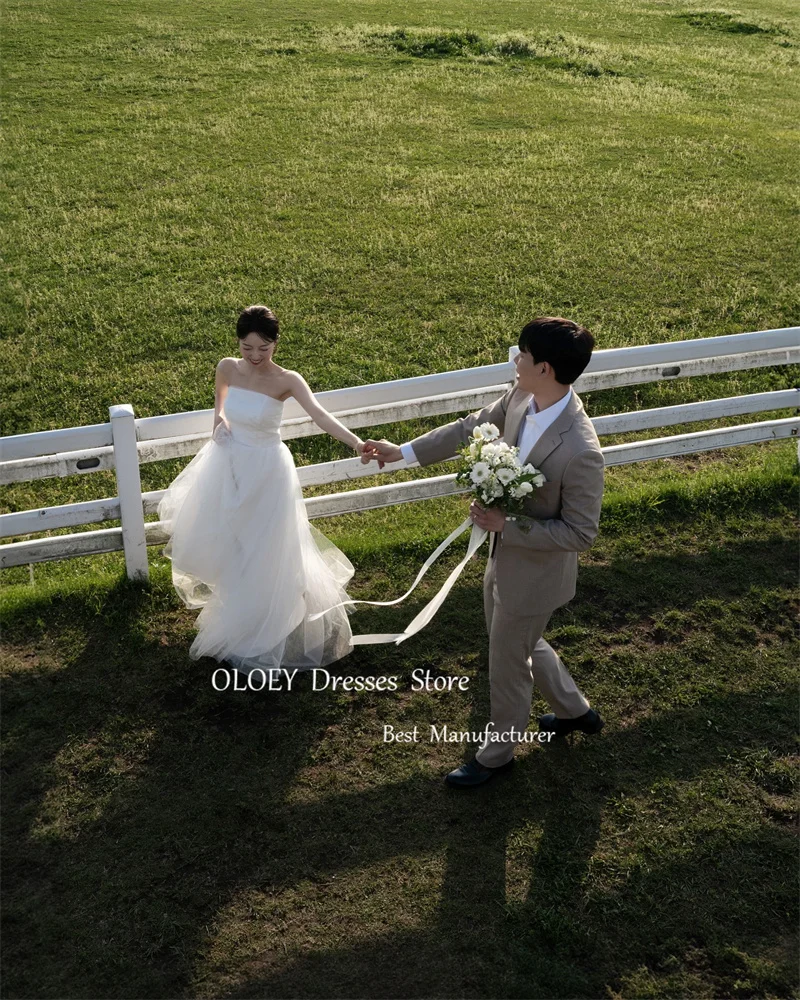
(324, 420)
(220, 392)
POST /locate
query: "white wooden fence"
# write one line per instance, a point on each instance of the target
(125, 441)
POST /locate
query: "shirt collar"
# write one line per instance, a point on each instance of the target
(551, 412)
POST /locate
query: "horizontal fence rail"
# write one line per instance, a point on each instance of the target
(126, 442)
(188, 441)
(93, 511)
(355, 501)
(607, 369)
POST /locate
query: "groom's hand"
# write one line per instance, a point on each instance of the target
(384, 451)
(491, 519)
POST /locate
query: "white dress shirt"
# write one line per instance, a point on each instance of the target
(536, 423)
(531, 428)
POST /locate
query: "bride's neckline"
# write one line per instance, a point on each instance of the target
(268, 395)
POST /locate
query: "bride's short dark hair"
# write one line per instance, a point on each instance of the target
(565, 345)
(257, 319)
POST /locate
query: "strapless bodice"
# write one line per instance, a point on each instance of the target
(254, 417)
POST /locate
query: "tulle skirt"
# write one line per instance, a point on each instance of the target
(244, 552)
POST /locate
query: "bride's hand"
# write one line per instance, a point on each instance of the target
(367, 452)
(382, 451)
(220, 431)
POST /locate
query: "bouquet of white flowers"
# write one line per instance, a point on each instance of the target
(494, 472)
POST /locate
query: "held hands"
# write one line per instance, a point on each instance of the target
(491, 519)
(364, 450)
(383, 451)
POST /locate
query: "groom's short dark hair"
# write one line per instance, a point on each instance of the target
(565, 345)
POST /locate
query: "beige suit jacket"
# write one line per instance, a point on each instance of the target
(537, 572)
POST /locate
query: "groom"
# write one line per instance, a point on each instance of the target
(529, 575)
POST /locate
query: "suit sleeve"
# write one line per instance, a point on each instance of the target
(444, 441)
(581, 499)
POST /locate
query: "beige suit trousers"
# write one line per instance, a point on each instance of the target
(519, 658)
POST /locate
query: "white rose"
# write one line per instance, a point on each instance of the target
(540, 480)
(477, 433)
(525, 488)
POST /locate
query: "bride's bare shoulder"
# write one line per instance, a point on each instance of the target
(227, 366)
(294, 379)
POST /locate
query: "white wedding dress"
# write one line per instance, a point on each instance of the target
(243, 550)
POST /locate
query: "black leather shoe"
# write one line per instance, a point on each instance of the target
(472, 773)
(590, 722)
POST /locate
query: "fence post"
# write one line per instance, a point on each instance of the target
(129, 490)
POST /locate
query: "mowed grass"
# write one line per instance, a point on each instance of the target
(163, 839)
(405, 188)
(402, 212)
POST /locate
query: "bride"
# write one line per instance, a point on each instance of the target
(241, 545)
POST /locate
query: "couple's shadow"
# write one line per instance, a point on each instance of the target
(196, 806)
(527, 920)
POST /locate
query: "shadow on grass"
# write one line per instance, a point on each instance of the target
(636, 579)
(643, 583)
(559, 942)
(113, 880)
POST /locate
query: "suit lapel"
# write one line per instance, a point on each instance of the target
(551, 438)
(546, 444)
(514, 415)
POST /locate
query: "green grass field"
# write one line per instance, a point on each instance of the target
(405, 186)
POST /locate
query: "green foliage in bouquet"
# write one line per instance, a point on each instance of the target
(493, 471)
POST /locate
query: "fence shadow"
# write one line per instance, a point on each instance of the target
(124, 873)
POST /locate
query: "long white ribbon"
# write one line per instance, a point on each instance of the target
(477, 538)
